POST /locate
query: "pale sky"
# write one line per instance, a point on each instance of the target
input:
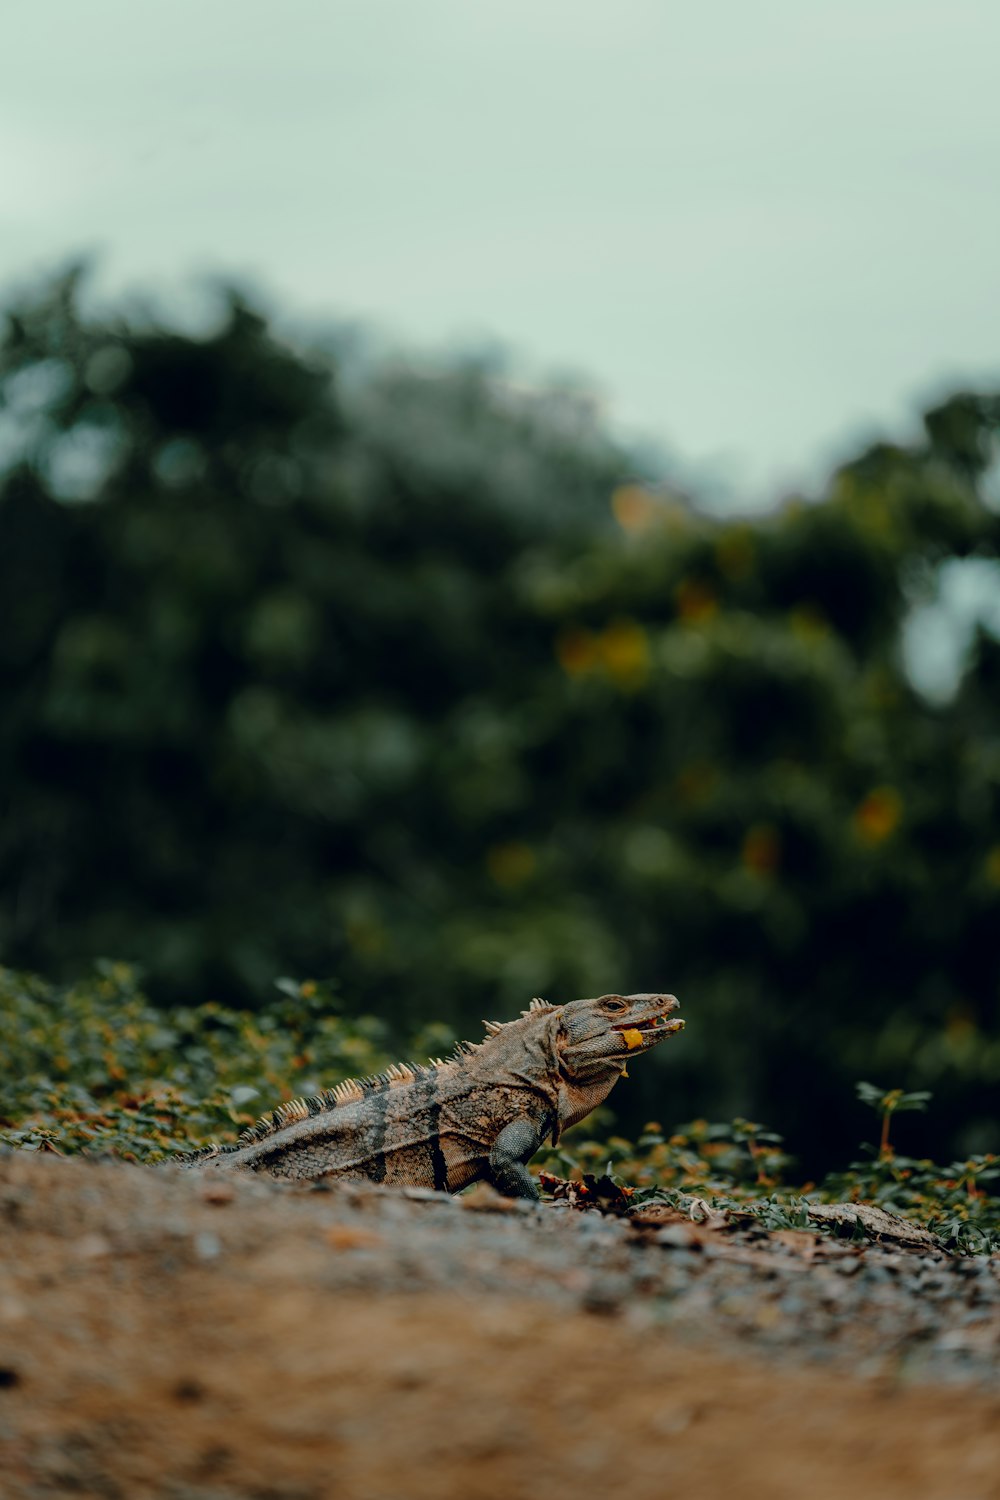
(764, 229)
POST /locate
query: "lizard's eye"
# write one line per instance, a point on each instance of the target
(616, 1005)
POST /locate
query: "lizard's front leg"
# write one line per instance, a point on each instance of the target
(515, 1145)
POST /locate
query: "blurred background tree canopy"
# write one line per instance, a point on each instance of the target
(406, 677)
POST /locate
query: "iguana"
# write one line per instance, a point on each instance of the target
(482, 1113)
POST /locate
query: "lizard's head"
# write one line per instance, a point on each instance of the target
(596, 1033)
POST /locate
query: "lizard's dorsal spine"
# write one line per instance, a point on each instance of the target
(348, 1092)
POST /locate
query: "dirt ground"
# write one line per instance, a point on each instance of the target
(167, 1334)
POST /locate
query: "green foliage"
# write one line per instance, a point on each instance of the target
(698, 1157)
(888, 1102)
(324, 665)
(952, 1200)
(891, 1101)
(740, 1167)
(94, 1066)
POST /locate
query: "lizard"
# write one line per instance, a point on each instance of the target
(480, 1114)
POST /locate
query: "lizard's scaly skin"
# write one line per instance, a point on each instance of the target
(481, 1114)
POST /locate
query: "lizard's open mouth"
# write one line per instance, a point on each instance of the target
(651, 1029)
(654, 1023)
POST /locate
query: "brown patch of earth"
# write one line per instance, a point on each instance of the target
(165, 1335)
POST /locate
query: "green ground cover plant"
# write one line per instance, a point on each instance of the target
(93, 1067)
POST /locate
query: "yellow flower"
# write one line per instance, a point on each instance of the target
(761, 849)
(878, 815)
(696, 603)
(620, 651)
(624, 648)
(511, 864)
(577, 651)
(633, 507)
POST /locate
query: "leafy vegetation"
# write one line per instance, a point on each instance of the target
(94, 1067)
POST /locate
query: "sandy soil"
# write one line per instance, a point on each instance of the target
(163, 1334)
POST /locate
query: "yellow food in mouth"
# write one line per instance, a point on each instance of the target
(634, 1037)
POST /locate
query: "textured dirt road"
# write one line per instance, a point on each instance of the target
(167, 1335)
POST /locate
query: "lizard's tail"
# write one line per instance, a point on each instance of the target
(198, 1158)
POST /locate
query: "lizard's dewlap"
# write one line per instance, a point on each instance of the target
(482, 1113)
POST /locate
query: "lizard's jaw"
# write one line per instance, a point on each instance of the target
(650, 1029)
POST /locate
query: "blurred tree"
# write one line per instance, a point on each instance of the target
(409, 681)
